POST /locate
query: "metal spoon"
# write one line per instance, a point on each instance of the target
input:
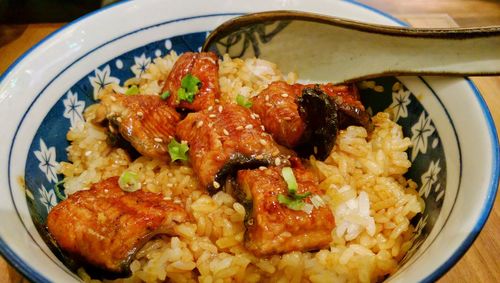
(324, 48)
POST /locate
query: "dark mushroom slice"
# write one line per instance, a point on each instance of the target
(320, 115)
(200, 74)
(145, 121)
(104, 227)
(351, 110)
(273, 227)
(223, 139)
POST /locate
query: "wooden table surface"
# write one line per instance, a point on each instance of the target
(481, 263)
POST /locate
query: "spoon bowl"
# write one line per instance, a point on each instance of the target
(325, 48)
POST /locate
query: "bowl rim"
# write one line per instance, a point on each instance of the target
(34, 276)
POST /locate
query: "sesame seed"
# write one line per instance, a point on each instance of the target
(210, 125)
(140, 114)
(262, 142)
(260, 156)
(268, 104)
(184, 142)
(277, 161)
(212, 115)
(158, 140)
(119, 119)
(287, 118)
(262, 168)
(225, 132)
(253, 116)
(88, 152)
(315, 149)
(199, 124)
(262, 127)
(256, 115)
(216, 100)
(220, 108)
(249, 126)
(284, 95)
(216, 185)
(210, 108)
(169, 185)
(239, 128)
(112, 98)
(266, 97)
(263, 134)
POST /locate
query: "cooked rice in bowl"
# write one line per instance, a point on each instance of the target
(363, 177)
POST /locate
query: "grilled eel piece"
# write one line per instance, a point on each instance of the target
(272, 227)
(205, 67)
(103, 227)
(146, 121)
(307, 118)
(223, 139)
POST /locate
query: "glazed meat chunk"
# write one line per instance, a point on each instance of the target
(277, 107)
(223, 139)
(272, 227)
(203, 66)
(145, 121)
(307, 117)
(298, 117)
(104, 227)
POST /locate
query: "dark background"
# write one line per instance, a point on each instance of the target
(32, 11)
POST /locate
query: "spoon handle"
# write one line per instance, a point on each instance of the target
(337, 50)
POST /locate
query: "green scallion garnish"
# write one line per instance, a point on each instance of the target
(133, 90)
(57, 190)
(293, 200)
(177, 150)
(243, 101)
(189, 88)
(129, 181)
(165, 95)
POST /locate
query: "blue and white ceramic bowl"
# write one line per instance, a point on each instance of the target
(455, 148)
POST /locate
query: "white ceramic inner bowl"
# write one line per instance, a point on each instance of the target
(39, 80)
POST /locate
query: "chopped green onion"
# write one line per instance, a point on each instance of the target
(165, 95)
(293, 200)
(290, 180)
(189, 88)
(243, 101)
(58, 192)
(133, 90)
(294, 204)
(317, 201)
(129, 181)
(177, 150)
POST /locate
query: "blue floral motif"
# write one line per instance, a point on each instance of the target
(421, 130)
(48, 163)
(101, 79)
(48, 198)
(73, 108)
(439, 191)
(141, 64)
(399, 105)
(429, 178)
